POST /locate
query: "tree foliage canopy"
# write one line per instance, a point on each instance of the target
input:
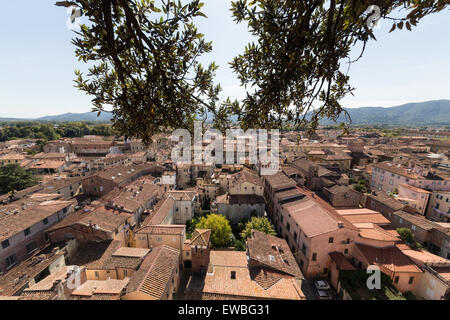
(144, 60)
(220, 229)
(14, 178)
(146, 64)
(406, 235)
(47, 132)
(259, 224)
(295, 69)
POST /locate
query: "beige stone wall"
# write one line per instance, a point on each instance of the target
(430, 287)
(96, 274)
(350, 198)
(145, 240)
(245, 188)
(419, 200)
(444, 206)
(321, 246)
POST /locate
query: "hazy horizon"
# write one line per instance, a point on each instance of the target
(38, 61)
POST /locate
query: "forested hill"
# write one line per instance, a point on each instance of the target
(428, 112)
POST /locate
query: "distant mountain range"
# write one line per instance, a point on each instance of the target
(68, 117)
(429, 112)
(87, 116)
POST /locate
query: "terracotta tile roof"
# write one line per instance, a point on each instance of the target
(10, 298)
(417, 220)
(280, 181)
(160, 211)
(94, 287)
(305, 165)
(201, 237)
(315, 216)
(38, 295)
(154, 275)
(69, 220)
(377, 218)
(272, 252)
(131, 252)
(391, 231)
(374, 232)
(340, 189)
(250, 199)
(288, 194)
(162, 229)
(415, 189)
(387, 201)
(17, 277)
(290, 171)
(360, 211)
(328, 207)
(341, 261)
(59, 183)
(228, 258)
(246, 175)
(22, 193)
(444, 272)
(12, 156)
(310, 217)
(20, 215)
(120, 173)
(264, 277)
(106, 219)
(97, 296)
(47, 164)
(390, 258)
(101, 256)
(406, 172)
(421, 257)
(51, 155)
(133, 196)
(247, 285)
(49, 282)
(364, 216)
(335, 155)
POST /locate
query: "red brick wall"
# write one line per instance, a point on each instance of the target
(200, 258)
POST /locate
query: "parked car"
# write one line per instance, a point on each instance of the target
(323, 295)
(322, 285)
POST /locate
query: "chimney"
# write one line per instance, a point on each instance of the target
(60, 290)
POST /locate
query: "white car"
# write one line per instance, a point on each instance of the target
(322, 285)
(323, 295)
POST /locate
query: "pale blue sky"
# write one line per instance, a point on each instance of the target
(37, 60)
